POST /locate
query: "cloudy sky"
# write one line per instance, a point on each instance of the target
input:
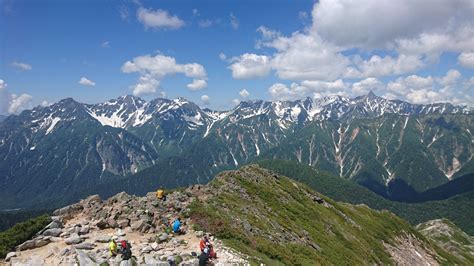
(217, 53)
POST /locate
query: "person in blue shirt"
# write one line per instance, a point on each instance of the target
(177, 226)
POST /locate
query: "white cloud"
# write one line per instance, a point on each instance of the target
(378, 66)
(372, 24)
(158, 19)
(197, 84)
(105, 44)
(234, 22)
(45, 103)
(206, 100)
(451, 77)
(22, 66)
(250, 66)
(311, 88)
(86, 82)
(19, 103)
(3, 84)
(195, 12)
(153, 69)
(365, 86)
(235, 102)
(466, 59)
(222, 57)
(244, 93)
(206, 23)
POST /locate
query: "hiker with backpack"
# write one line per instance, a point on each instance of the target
(125, 250)
(206, 247)
(177, 227)
(160, 194)
(113, 247)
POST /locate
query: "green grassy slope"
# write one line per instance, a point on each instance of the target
(457, 209)
(276, 220)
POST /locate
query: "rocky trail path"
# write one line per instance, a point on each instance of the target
(79, 234)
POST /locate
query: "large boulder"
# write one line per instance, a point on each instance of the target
(34, 243)
(53, 232)
(112, 222)
(10, 255)
(68, 210)
(85, 245)
(122, 223)
(73, 239)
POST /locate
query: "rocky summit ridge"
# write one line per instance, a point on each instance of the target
(79, 233)
(253, 215)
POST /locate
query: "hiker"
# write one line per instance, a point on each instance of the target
(160, 194)
(177, 226)
(126, 250)
(206, 244)
(204, 257)
(113, 247)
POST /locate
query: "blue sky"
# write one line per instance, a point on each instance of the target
(273, 49)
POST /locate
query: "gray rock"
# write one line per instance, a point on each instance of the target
(147, 249)
(138, 225)
(85, 245)
(122, 223)
(84, 259)
(91, 200)
(163, 237)
(120, 232)
(102, 239)
(64, 252)
(126, 263)
(55, 224)
(34, 243)
(68, 210)
(84, 230)
(101, 224)
(73, 239)
(112, 222)
(192, 262)
(53, 232)
(154, 246)
(10, 255)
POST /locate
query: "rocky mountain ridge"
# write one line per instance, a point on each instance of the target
(284, 216)
(70, 146)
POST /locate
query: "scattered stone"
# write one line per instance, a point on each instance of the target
(84, 230)
(120, 232)
(85, 245)
(34, 243)
(122, 223)
(73, 239)
(147, 249)
(163, 237)
(10, 255)
(53, 232)
(154, 246)
(101, 224)
(102, 239)
(138, 225)
(112, 223)
(84, 259)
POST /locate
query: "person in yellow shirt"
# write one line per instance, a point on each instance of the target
(160, 194)
(113, 247)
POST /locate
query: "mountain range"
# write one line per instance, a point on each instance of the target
(56, 154)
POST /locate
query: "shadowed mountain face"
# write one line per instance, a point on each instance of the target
(68, 148)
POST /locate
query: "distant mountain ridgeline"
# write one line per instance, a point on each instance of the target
(54, 154)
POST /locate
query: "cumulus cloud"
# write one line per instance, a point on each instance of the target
(314, 89)
(466, 59)
(234, 22)
(153, 69)
(206, 100)
(11, 103)
(19, 103)
(379, 24)
(451, 77)
(86, 82)
(222, 56)
(21, 66)
(158, 19)
(197, 84)
(365, 86)
(250, 66)
(235, 102)
(244, 93)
